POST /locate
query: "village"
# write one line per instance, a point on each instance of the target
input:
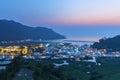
(54, 51)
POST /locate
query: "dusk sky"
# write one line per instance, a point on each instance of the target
(77, 19)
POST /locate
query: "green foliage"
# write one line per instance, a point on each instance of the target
(45, 70)
(20, 78)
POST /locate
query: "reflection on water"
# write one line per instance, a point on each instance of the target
(82, 43)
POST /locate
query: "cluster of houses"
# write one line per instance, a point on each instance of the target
(55, 50)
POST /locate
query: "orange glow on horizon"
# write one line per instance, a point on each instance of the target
(93, 20)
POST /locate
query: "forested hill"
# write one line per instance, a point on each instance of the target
(108, 43)
(12, 31)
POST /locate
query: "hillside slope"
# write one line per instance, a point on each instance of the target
(12, 31)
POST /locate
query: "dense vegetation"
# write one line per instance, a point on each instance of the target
(12, 31)
(45, 70)
(108, 43)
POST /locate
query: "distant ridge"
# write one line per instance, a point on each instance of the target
(13, 31)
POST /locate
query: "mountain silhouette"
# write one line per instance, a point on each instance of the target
(112, 44)
(13, 31)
